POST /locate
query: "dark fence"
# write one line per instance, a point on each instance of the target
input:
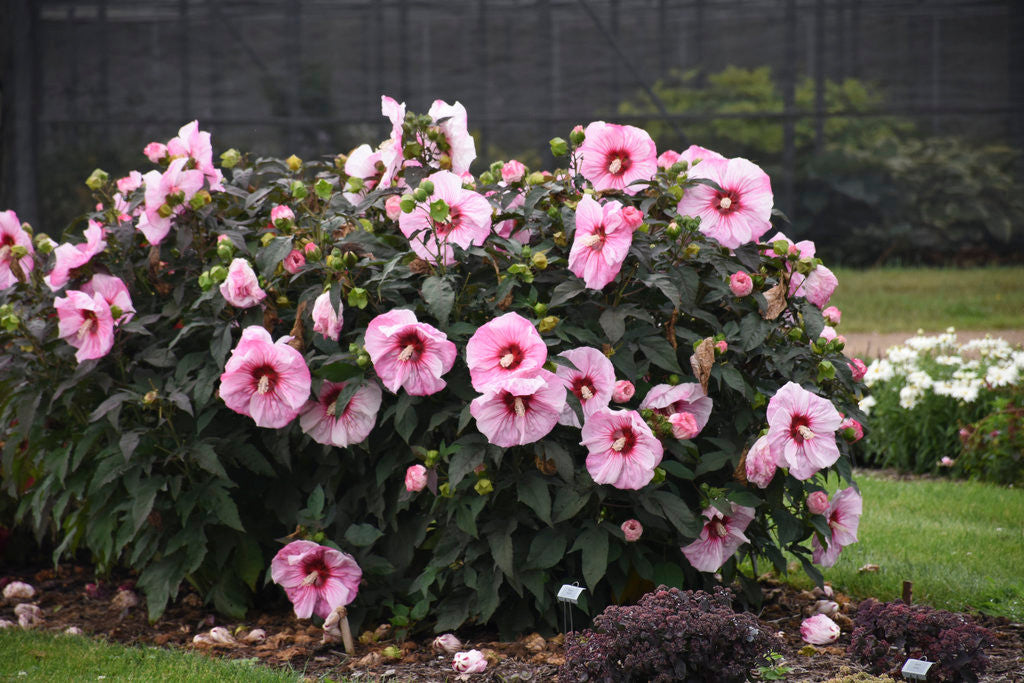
(89, 83)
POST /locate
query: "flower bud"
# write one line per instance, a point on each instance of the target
(659, 475)
(559, 147)
(298, 190)
(540, 308)
(199, 200)
(165, 211)
(407, 203)
(293, 162)
(623, 391)
(560, 239)
(44, 244)
(513, 171)
(817, 502)
(547, 324)
(740, 284)
(18, 251)
(230, 158)
(427, 186)
(97, 179)
(419, 194)
(218, 274)
(27, 228)
(393, 207)
(796, 334)
(205, 282)
(673, 230)
(432, 458)
(312, 251)
(535, 178)
(632, 530)
(577, 136)
(539, 260)
(445, 162)
(363, 360)
(150, 397)
(676, 191)
(721, 346)
(674, 379)
(692, 250)
(483, 486)
(225, 250)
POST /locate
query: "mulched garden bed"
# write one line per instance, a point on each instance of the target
(100, 612)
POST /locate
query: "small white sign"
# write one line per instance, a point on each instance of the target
(568, 593)
(916, 669)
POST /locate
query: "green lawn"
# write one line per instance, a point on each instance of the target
(40, 656)
(905, 299)
(961, 543)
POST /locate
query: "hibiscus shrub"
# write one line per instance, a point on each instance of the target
(385, 354)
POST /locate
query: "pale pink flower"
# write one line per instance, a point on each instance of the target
(393, 207)
(294, 261)
(684, 425)
(613, 156)
(681, 398)
(591, 382)
(452, 120)
(632, 217)
(601, 242)
(740, 283)
(13, 235)
(668, 158)
(947, 461)
(520, 409)
(694, 154)
(391, 149)
(67, 256)
(857, 369)
(177, 182)
(512, 171)
(195, 144)
(85, 323)
(622, 450)
(833, 315)
(721, 536)
(721, 346)
(472, 662)
(632, 530)
(129, 183)
(817, 287)
(282, 212)
(447, 643)
(510, 228)
(817, 502)
(819, 630)
(264, 380)
(737, 214)
(407, 353)
(362, 163)
(505, 346)
(802, 430)
(623, 391)
(828, 333)
(469, 220)
(321, 421)
(241, 289)
(843, 515)
(856, 427)
(155, 151)
(805, 249)
(415, 478)
(114, 292)
(316, 578)
(326, 320)
(19, 590)
(760, 463)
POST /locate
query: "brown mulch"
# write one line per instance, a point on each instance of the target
(67, 600)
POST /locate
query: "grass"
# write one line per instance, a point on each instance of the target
(41, 656)
(905, 299)
(961, 543)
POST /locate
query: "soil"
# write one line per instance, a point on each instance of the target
(68, 597)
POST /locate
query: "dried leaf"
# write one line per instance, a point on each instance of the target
(776, 298)
(868, 568)
(740, 474)
(702, 360)
(534, 642)
(419, 267)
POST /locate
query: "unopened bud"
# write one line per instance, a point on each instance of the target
(432, 457)
(673, 230)
(200, 199)
(218, 274)
(445, 162)
(281, 300)
(548, 323)
(427, 186)
(796, 334)
(44, 244)
(27, 228)
(230, 158)
(674, 379)
(692, 250)
(225, 250)
(408, 203)
(298, 189)
(483, 487)
(487, 178)
(165, 211)
(535, 178)
(559, 238)
(204, 281)
(294, 163)
(349, 259)
(559, 147)
(419, 194)
(18, 251)
(116, 312)
(363, 360)
(97, 179)
(539, 261)
(659, 475)
(540, 308)
(577, 136)
(676, 191)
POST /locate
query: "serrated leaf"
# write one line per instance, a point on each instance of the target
(128, 442)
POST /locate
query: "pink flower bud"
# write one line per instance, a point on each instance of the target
(280, 212)
(472, 662)
(817, 502)
(294, 261)
(857, 369)
(833, 315)
(721, 346)
(856, 428)
(447, 642)
(668, 158)
(393, 207)
(684, 425)
(223, 238)
(155, 151)
(310, 248)
(623, 391)
(760, 463)
(129, 183)
(740, 283)
(416, 480)
(632, 217)
(819, 630)
(512, 171)
(632, 529)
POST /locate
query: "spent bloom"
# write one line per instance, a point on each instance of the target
(622, 450)
(632, 530)
(471, 662)
(613, 156)
(407, 353)
(393, 207)
(155, 151)
(857, 369)
(468, 222)
(416, 480)
(19, 590)
(721, 536)
(832, 315)
(519, 410)
(601, 242)
(740, 211)
(591, 382)
(801, 430)
(320, 418)
(760, 463)
(241, 289)
(447, 643)
(819, 630)
(817, 502)
(451, 119)
(13, 235)
(623, 391)
(67, 256)
(843, 515)
(740, 283)
(316, 578)
(294, 261)
(391, 149)
(264, 380)
(505, 346)
(326, 320)
(681, 398)
(684, 425)
(817, 287)
(85, 322)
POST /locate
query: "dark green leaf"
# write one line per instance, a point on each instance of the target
(547, 549)
(661, 353)
(438, 294)
(362, 535)
(500, 543)
(594, 542)
(533, 491)
(269, 256)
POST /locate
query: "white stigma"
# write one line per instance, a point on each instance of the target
(805, 432)
(332, 409)
(619, 444)
(406, 353)
(311, 579)
(5, 251)
(264, 385)
(519, 406)
(590, 240)
(86, 328)
(615, 166)
(585, 393)
(507, 360)
(725, 203)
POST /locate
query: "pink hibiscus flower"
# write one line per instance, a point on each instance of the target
(241, 289)
(408, 353)
(601, 242)
(737, 214)
(668, 158)
(316, 578)
(681, 398)
(85, 322)
(503, 347)
(694, 154)
(391, 149)
(623, 391)
(195, 144)
(817, 286)
(721, 536)
(13, 235)
(469, 220)
(802, 430)
(453, 122)
(684, 425)
(114, 292)
(362, 163)
(622, 450)
(592, 382)
(266, 381)
(817, 502)
(67, 256)
(319, 419)
(613, 156)
(519, 410)
(326, 320)
(416, 480)
(632, 529)
(760, 463)
(740, 283)
(167, 194)
(843, 515)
